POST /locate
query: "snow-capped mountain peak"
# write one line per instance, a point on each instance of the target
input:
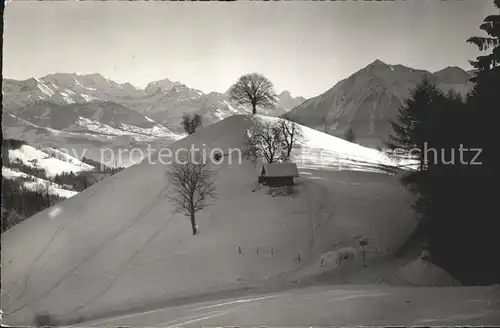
(165, 84)
(287, 101)
(369, 99)
(378, 63)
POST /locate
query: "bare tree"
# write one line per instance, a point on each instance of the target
(265, 141)
(291, 134)
(45, 319)
(191, 123)
(253, 89)
(193, 187)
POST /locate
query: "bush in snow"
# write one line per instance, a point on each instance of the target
(45, 320)
(191, 123)
(349, 135)
(282, 191)
(338, 256)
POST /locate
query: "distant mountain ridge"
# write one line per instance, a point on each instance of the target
(287, 101)
(368, 99)
(165, 101)
(90, 112)
(97, 107)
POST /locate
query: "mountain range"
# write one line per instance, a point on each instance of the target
(164, 101)
(92, 112)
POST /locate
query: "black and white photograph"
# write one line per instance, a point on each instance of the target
(250, 163)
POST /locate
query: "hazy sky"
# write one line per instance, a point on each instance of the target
(304, 47)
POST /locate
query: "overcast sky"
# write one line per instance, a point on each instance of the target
(304, 47)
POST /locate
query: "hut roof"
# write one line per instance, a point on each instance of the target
(278, 170)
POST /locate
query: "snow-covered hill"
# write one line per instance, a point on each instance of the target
(367, 100)
(120, 244)
(52, 161)
(34, 183)
(89, 127)
(36, 168)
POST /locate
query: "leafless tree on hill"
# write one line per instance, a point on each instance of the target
(265, 141)
(255, 90)
(291, 135)
(193, 188)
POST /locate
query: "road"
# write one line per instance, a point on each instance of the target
(330, 305)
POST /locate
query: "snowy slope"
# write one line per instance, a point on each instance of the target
(423, 273)
(58, 154)
(34, 183)
(33, 157)
(119, 244)
(137, 133)
(318, 150)
(86, 129)
(50, 160)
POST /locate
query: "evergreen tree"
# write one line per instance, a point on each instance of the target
(412, 127)
(491, 25)
(477, 206)
(485, 97)
(457, 190)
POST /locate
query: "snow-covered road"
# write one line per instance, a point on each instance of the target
(332, 305)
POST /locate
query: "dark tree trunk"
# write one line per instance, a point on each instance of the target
(38, 201)
(422, 157)
(48, 197)
(254, 109)
(193, 224)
